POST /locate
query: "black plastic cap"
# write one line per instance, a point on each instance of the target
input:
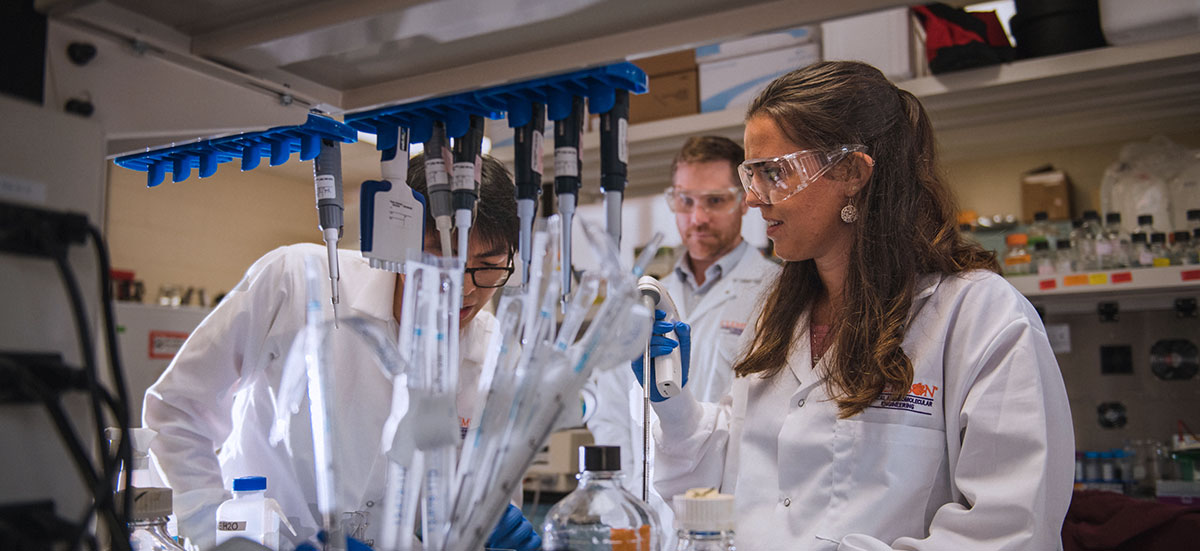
(599, 458)
(1091, 215)
(1040, 215)
(1158, 237)
(964, 227)
(1196, 234)
(1145, 219)
(1182, 236)
(1112, 218)
(1138, 238)
(1041, 246)
(1063, 244)
(1193, 214)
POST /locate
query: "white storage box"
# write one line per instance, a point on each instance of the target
(753, 44)
(1126, 22)
(884, 39)
(733, 82)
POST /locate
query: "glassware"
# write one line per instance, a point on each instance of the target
(1159, 254)
(1139, 251)
(600, 514)
(1090, 233)
(1017, 260)
(1113, 246)
(1181, 249)
(148, 523)
(1043, 259)
(706, 520)
(1064, 257)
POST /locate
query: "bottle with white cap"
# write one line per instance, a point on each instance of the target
(250, 514)
(148, 523)
(705, 519)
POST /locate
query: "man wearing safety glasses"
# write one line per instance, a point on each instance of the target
(714, 285)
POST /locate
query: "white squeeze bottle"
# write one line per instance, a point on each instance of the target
(250, 514)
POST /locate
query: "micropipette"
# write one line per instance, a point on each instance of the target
(465, 181)
(614, 160)
(392, 214)
(568, 133)
(327, 176)
(438, 163)
(527, 174)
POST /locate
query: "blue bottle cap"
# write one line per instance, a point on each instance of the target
(1092, 455)
(249, 483)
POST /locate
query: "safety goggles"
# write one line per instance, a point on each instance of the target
(776, 179)
(714, 202)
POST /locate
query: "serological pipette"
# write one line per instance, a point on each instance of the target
(327, 177)
(529, 140)
(465, 180)
(568, 133)
(614, 160)
(438, 163)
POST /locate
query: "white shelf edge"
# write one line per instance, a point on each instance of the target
(1167, 279)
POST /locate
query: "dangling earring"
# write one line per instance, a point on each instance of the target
(849, 212)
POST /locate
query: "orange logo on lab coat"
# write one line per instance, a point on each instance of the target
(922, 389)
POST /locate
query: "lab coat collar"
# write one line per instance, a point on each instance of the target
(372, 292)
(802, 366)
(750, 268)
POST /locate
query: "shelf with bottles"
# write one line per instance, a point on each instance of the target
(1186, 278)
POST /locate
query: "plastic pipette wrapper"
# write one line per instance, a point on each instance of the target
(528, 142)
(526, 397)
(393, 215)
(468, 164)
(568, 134)
(614, 160)
(327, 178)
(432, 299)
(438, 164)
(311, 368)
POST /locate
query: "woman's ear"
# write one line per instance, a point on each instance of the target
(860, 173)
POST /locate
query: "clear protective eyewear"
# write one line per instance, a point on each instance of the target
(776, 179)
(713, 202)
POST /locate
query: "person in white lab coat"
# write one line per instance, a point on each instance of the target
(713, 286)
(215, 404)
(893, 392)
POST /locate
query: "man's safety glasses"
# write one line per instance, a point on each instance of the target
(775, 179)
(713, 202)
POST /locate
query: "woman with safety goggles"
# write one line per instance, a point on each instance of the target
(894, 392)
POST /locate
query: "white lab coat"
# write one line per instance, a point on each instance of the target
(717, 323)
(220, 391)
(978, 456)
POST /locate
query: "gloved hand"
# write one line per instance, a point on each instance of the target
(514, 532)
(351, 544)
(661, 345)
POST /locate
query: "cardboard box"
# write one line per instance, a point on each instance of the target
(885, 39)
(732, 83)
(1048, 191)
(673, 87)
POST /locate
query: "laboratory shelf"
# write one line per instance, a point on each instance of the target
(1131, 288)
(1093, 96)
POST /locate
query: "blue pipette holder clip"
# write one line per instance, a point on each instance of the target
(598, 84)
(278, 144)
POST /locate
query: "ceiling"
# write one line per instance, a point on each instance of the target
(347, 55)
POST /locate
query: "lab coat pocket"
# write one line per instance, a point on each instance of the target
(882, 479)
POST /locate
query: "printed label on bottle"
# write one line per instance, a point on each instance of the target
(464, 177)
(1145, 258)
(1161, 262)
(623, 140)
(538, 150)
(1016, 260)
(435, 172)
(566, 161)
(1103, 249)
(326, 186)
(231, 526)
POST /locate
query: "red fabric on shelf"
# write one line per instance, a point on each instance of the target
(1105, 521)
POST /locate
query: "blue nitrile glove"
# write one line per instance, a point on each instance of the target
(661, 345)
(351, 544)
(514, 532)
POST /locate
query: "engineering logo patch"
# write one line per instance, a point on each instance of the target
(920, 399)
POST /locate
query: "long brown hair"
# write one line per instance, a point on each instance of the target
(906, 227)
